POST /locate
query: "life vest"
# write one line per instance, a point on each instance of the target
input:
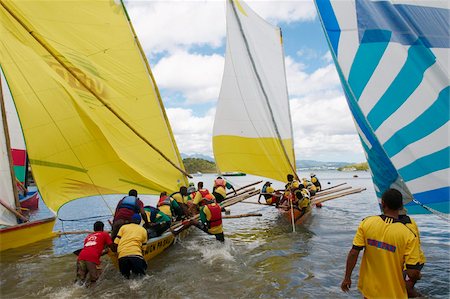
(152, 212)
(216, 215)
(164, 201)
(129, 202)
(203, 192)
(207, 199)
(175, 193)
(220, 183)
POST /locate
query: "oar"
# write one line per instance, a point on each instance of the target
(334, 196)
(246, 186)
(292, 214)
(331, 187)
(257, 203)
(241, 215)
(23, 218)
(240, 192)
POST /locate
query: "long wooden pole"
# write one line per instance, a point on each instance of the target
(338, 195)
(13, 211)
(70, 68)
(292, 214)
(332, 187)
(244, 187)
(331, 191)
(241, 215)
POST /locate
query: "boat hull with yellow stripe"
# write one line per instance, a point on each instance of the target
(26, 233)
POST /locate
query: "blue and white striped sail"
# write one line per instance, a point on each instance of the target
(393, 61)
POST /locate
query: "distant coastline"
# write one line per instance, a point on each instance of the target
(196, 163)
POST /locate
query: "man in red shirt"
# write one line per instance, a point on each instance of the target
(88, 261)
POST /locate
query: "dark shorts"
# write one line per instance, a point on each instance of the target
(132, 264)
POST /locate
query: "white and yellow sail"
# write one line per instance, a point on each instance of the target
(86, 99)
(252, 129)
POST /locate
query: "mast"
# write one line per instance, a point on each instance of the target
(266, 98)
(8, 149)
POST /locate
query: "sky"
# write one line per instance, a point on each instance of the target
(184, 42)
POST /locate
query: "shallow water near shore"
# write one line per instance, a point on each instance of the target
(261, 258)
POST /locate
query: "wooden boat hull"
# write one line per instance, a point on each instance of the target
(154, 247)
(26, 233)
(31, 201)
(287, 216)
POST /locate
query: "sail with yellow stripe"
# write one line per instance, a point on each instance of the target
(252, 129)
(90, 110)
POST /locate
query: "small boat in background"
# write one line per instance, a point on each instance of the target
(234, 173)
(30, 201)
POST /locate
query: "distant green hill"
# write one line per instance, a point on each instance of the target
(194, 165)
(358, 166)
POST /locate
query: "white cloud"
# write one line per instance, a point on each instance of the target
(324, 129)
(171, 25)
(301, 83)
(197, 76)
(284, 11)
(327, 57)
(193, 134)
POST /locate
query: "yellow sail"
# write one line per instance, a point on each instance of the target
(86, 99)
(252, 128)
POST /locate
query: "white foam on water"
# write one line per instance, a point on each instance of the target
(139, 283)
(212, 250)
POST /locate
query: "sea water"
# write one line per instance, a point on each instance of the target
(261, 258)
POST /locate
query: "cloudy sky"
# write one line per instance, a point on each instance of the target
(185, 44)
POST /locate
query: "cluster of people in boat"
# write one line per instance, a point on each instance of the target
(128, 235)
(295, 192)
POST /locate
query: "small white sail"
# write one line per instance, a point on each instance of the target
(252, 129)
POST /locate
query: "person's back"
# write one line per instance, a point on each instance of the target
(219, 189)
(88, 260)
(128, 206)
(130, 241)
(159, 222)
(130, 238)
(386, 241)
(212, 215)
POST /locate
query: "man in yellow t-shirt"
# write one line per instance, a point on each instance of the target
(388, 245)
(130, 241)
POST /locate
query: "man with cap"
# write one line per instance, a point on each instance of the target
(315, 181)
(269, 193)
(129, 244)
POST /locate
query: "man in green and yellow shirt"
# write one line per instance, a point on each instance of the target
(388, 245)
